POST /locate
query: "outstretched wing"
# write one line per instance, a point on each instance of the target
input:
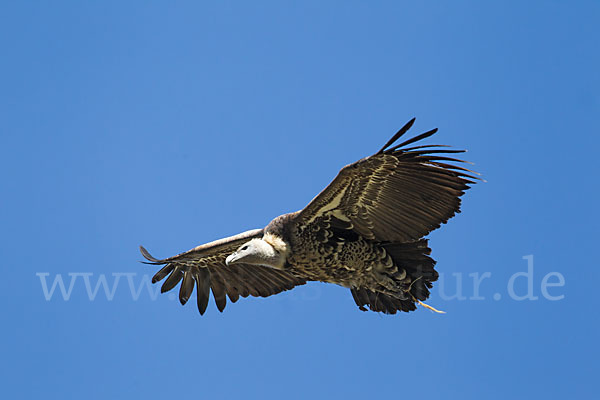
(399, 194)
(204, 267)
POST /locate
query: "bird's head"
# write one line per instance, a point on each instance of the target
(258, 252)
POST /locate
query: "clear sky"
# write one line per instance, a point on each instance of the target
(174, 123)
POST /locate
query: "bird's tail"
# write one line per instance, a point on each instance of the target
(414, 258)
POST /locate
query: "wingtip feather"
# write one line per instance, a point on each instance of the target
(412, 140)
(401, 132)
(147, 255)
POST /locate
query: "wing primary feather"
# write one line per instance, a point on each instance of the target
(187, 287)
(435, 159)
(172, 280)
(147, 256)
(447, 171)
(457, 167)
(231, 283)
(202, 289)
(415, 139)
(160, 275)
(425, 146)
(218, 290)
(401, 132)
(427, 151)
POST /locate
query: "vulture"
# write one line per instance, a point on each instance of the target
(365, 232)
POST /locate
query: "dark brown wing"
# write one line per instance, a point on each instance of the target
(204, 267)
(398, 194)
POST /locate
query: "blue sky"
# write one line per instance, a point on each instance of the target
(171, 124)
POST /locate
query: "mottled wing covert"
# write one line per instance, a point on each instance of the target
(399, 194)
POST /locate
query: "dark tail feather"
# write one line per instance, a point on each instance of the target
(377, 301)
(414, 258)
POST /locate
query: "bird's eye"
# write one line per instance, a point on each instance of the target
(244, 248)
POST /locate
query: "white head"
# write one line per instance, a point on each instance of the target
(258, 252)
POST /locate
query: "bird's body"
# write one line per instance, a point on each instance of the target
(364, 232)
(319, 252)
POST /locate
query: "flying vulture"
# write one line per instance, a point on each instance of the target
(365, 232)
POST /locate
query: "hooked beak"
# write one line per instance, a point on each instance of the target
(232, 258)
